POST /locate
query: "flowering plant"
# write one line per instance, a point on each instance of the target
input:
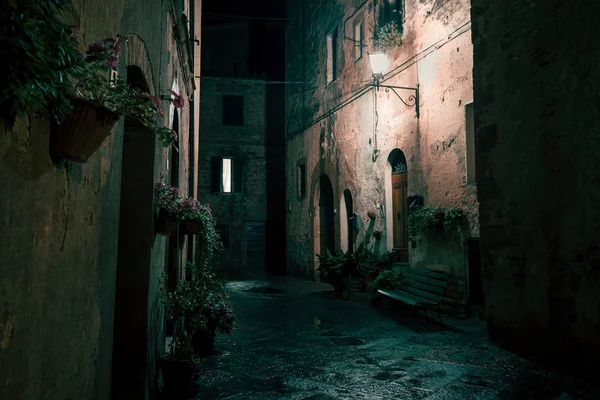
(387, 36)
(192, 209)
(43, 70)
(219, 313)
(166, 197)
(40, 62)
(118, 96)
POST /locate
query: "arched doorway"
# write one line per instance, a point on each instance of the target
(324, 228)
(136, 238)
(349, 222)
(399, 189)
(174, 244)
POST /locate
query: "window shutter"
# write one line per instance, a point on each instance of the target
(215, 174)
(238, 176)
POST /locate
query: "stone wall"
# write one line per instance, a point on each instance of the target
(348, 130)
(538, 150)
(59, 236)
(243, 143)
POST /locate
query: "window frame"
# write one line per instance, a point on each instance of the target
(236, 163)
(358, 44)
(301, 187)
(470, 145)
(332, 55)
(243, 124)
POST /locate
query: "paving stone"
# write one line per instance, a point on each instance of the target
(283, 349)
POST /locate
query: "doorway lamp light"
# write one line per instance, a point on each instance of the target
(379, 65)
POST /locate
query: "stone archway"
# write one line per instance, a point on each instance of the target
(324, 219)
(347, 221)
(136, 239)
(396, 185)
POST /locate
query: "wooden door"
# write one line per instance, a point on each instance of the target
(400, 213)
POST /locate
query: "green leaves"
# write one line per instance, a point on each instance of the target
(427, 219)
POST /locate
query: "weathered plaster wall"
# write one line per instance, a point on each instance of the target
(352, 144)
(59, 229)
(246, 143)
(536, 117)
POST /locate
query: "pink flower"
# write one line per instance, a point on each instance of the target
(178, 101)
(117, 46)
(113, 62)
(96, 47)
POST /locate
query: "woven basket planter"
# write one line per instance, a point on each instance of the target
(82, 131)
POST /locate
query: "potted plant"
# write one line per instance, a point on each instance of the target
(217, 316)
(333, 268)
(46, 76)
(194, 216)
(168, 208)
(39, 59)
(387, 37)
(184, 306)
(99, 102)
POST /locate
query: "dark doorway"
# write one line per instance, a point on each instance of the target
(255, 248)
(175, 242)
(326, 215)
(399, 204)
(475, 282)
(136, 237)
(349, 219)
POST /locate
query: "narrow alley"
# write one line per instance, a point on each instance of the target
(294, 339)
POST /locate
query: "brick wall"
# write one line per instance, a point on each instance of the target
(60, 241)
(536, 108)
(243, 143)
(352, 145)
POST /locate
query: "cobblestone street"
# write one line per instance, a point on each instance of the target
(295, 340)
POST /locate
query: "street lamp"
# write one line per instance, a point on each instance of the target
(379, 65)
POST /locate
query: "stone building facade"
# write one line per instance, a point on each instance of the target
(535, 81)
(80, 265)
(354, 149)
(241, 157)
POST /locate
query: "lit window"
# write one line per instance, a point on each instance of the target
(226, 175)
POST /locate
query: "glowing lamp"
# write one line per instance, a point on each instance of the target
(379, 64)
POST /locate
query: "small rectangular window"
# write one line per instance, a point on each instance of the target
(358, 40)
(392, 11)
(226, 175)
(302, 180)
(332, 56)
(470, 130)
(233, 110)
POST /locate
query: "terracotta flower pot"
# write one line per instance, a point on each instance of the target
(189, 227)
(164, 223)
(82, 131)
(377, 234)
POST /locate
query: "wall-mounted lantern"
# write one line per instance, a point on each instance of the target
(379, 65)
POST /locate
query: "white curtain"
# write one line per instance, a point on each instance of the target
(226, 178)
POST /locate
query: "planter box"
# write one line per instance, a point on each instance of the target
(189, 227)
(164, 223)
(82, 131)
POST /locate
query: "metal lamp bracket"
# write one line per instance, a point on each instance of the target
(411, 101)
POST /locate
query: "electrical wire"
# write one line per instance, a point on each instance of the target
(402, 67)
(231, 16)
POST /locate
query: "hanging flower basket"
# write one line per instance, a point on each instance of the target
(189, 227)
(81, 132)
(165, 224)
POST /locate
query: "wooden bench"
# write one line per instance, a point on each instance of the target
(420, 288)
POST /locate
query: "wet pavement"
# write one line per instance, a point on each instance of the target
(295, 339)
